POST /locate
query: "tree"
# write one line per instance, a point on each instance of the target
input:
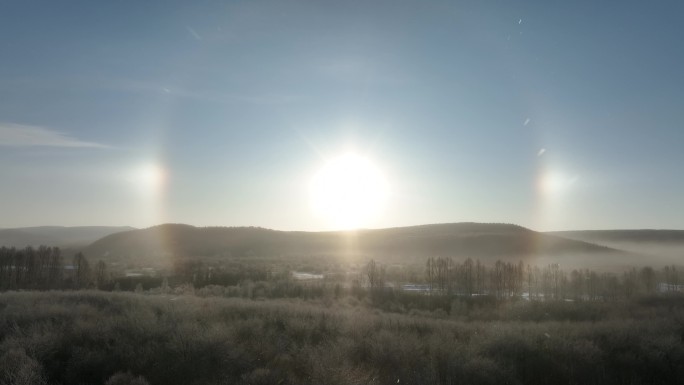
(630, 282)
(55, 268)
(165, 289)
(430, 272)
(82, 273)
(647, 277)
(468, 277)
(375, 275)
(480, 274)
(101, 274)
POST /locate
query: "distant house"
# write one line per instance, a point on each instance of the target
(664, 287)
(306, 276)
(416, 288)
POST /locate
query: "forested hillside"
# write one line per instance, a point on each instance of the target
(457, 240)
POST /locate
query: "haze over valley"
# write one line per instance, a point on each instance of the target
(161, 246)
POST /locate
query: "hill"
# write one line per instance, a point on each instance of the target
(457, 240)
(633, 236)
(56, 235)
(665, 246)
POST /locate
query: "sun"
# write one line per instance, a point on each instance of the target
(349, 191)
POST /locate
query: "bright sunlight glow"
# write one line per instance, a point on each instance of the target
(555, 183)
(348, 191)
(149, 178)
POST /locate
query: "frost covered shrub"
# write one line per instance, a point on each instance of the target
(16, 368)
(127, 378)
(115, 338)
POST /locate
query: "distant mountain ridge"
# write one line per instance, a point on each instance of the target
(60, 236)
(643, 235)
(454, 239)
(664, 245)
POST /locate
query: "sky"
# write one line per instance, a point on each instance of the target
(554, 115)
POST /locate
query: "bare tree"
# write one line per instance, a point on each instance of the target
(468, 277)
(647, 277)
(101, 274)
(375, 275)
(81, 271)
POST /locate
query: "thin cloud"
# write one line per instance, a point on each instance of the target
(194, 33)
(21, 135)
(162, 89)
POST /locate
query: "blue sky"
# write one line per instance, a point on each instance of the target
(549, 114)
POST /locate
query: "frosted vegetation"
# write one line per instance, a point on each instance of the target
(90, 337)
(262, 321)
